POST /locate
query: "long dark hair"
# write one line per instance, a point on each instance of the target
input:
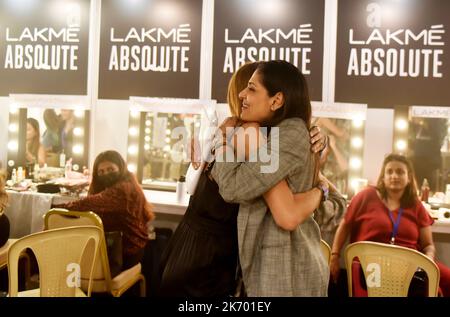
(409, 197)
(281, 76)
(52, 120)
(115, 158)
(33, 148)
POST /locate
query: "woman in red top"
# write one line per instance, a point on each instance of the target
(389, 213)
(115, 195)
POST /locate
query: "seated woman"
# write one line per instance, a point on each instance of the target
(115, 195)
(35, 152)
(389, 213)
(4, 222)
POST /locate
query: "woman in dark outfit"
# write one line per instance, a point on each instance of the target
(207, 234)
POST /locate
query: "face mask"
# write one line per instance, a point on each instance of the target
(109, 179)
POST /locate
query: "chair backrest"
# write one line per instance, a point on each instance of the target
(326, 250)
(61, 218)
(388, 269)
(58, 253)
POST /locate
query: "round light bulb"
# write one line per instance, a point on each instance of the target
(401, 145)
(401, 124)
(357, 142)
(77, 149)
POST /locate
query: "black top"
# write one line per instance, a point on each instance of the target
(4, 229)
(202, 255)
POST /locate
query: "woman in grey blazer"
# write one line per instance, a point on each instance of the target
(274, 261)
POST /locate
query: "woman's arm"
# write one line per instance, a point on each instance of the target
(29, 157)
(330, 213)
(426, 242)
(109, 200)
(339, 240)
(41, 156)
(330, 185)
(287, 150)
(289, 210)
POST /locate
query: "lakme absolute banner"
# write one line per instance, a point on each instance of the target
(150, 48)
(393, 52)
(254, 30)
(44, 46)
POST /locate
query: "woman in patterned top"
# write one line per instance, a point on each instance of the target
(115, 195)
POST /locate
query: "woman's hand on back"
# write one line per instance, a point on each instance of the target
(318, 139)
(230, 122)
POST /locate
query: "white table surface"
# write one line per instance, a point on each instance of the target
(26, 210)
(167, 202)
(441, 226)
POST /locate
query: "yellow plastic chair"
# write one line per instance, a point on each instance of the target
(326, 250)
(103, 282)
(58, 253)
(4, 252)
(4, 259)
(388, 269)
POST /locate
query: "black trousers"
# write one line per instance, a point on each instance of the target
(131, 260)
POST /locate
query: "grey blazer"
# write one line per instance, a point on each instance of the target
(275, 262)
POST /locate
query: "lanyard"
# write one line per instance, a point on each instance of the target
(395, 224)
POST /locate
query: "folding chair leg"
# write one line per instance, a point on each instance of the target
(142, 287)
(27, 266)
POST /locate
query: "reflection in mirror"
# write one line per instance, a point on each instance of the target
(337, 162)
(164, 146)
(344, 123)
(51, 138)
(428, 148)
(34, 150)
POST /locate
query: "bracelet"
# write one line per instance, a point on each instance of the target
(335, 253)
(324, 189)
